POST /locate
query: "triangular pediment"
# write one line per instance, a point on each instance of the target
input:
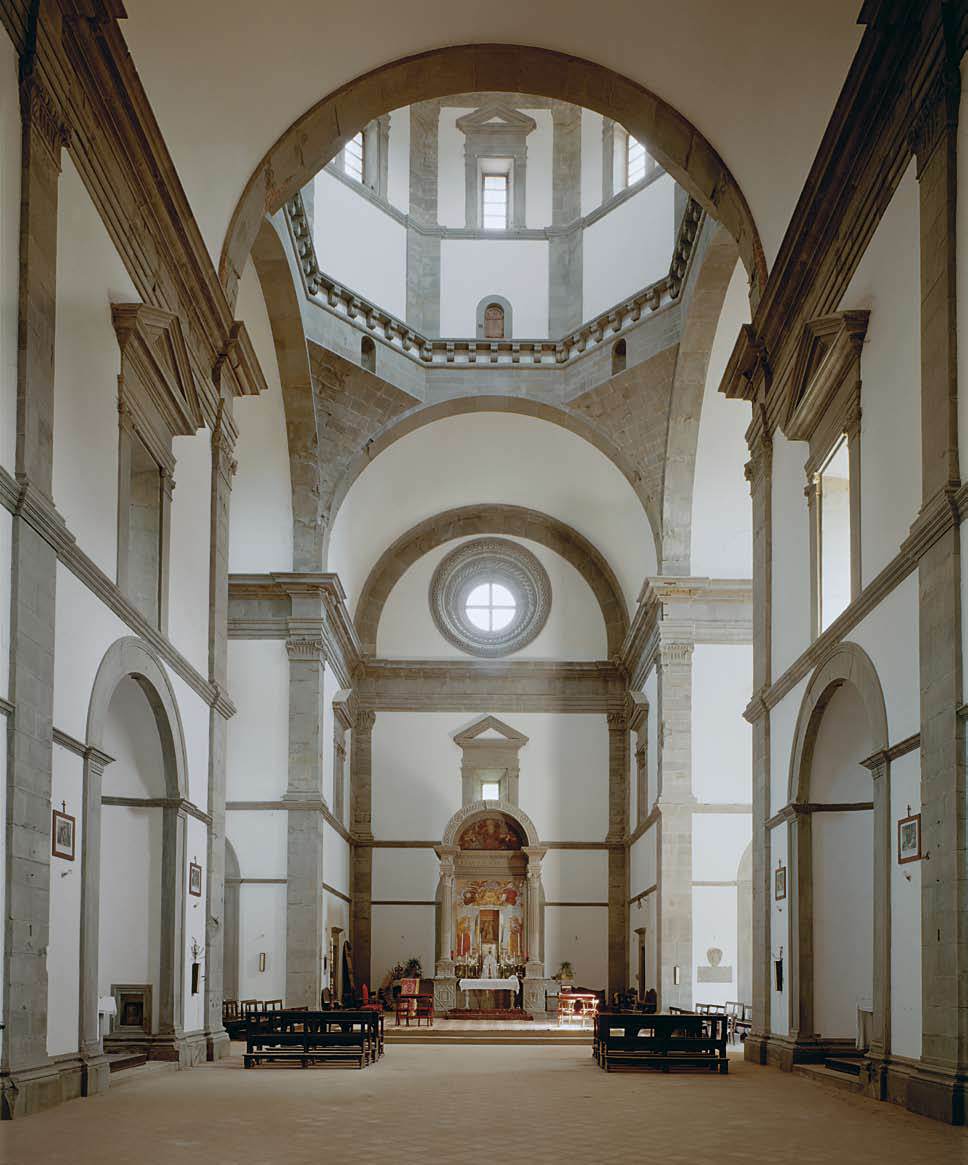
(153, 348)
(828, 347)
(490, 730)
(496, 117)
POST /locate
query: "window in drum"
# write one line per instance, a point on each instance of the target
(636, 161)
(353, 158)
(494, 202)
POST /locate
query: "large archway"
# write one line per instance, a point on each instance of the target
(837, 832)
(307, 145)
(133, 910)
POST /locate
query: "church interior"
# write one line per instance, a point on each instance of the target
(549, 670)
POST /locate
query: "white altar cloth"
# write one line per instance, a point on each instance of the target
(511, 983)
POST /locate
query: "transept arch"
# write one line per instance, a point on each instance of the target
(491, 519)
(316, 137)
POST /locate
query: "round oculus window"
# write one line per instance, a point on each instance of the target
(490, 597)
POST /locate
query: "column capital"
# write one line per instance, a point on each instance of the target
(365, 719)
(617, 721)
(675, 653)
(303, 648)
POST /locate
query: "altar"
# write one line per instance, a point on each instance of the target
(485, 991)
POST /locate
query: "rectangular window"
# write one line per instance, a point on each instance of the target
(353, 158)
(490, 791)
(494, 202)
(637, 159)
(833, 488)
(144, 547)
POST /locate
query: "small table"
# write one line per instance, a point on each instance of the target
(511, 983)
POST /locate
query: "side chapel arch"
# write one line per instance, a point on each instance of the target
(850, 665)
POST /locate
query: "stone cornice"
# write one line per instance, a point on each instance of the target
(521, 686)
(182, 804)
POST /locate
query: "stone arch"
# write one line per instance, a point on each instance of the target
(477, 809)
(132, 657)
(700, 319)
(316, 137)
(292, 356)
(421, 415)
(848, 664)
(508, 319)
(491, 519)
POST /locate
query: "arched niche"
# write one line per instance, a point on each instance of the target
(495, 318)
(131, 666)
(490, 899)
(839, 789)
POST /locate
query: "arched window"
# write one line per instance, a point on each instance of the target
(368, 354)
(494, 322)
(619, 361)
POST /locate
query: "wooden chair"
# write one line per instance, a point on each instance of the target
(230, 1009)
(273, 1005)
(252, 1006)
(412, 1005)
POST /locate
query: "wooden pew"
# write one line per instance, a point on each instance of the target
(304, 1037)
(634, 1040)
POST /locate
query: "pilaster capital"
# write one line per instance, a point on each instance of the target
(675, 654)
(935, 113)
(617, 721)
(97, 761)
(306, 649)
(41, 116)
(365, 719)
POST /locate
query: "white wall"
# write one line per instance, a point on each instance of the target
(87, 361)
(260, 531)
(887, 282)
(262, 928)
(405, 875)
(398, 169)
(64, 943)
(10, 160)
(591, 160)
(195, 716)
(575, 629)
(491, 457)
(714, 925)
(398, 933)
(257, 751)
(196, 850)
(642, 863)
(722, 741)
(791, 554)
(138, 768)
(259, 838)
(783, 723)
(629, 248)
(416, 773)
(360, 245)
(722, 513)
(890, 636)
(575, 875)
(451, 205)
(6, 556)
(516, 269)
(540, 164)
(718, 842)
(579, 935)
(780, 933)
(188, 588)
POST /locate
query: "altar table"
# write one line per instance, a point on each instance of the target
(511, 983)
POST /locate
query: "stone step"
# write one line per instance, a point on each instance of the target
(829, 1076)
(849, 1065)
(539, 1038)
(121, 1061)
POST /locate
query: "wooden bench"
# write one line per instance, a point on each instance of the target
(305, 1037)
(634, 1040)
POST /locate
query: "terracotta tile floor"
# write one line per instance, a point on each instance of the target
(477, 1104)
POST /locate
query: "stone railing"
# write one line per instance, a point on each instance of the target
(603, 328)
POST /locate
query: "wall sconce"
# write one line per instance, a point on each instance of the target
(262, 961)
(675, 975)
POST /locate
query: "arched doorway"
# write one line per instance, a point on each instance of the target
(836, 843)
(135, 868)
(491, 902)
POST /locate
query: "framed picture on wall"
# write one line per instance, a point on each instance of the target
(779, 883)
(195, 879)
(909, 839)
(62, 834)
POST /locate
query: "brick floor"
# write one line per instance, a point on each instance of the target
(475, 1104)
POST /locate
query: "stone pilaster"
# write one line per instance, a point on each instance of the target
(759, 472)
(304, 848)
(361, 826)
(940, 1088)
(565, 241)
(534, 969)
(223, 469)
(28, 1080)
(423, 241)
(96, 1071)
(674, 841)
(618, 879)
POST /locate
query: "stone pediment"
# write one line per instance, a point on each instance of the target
(490, 731)
(828, 349)
(496, 117)
(154, 353)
